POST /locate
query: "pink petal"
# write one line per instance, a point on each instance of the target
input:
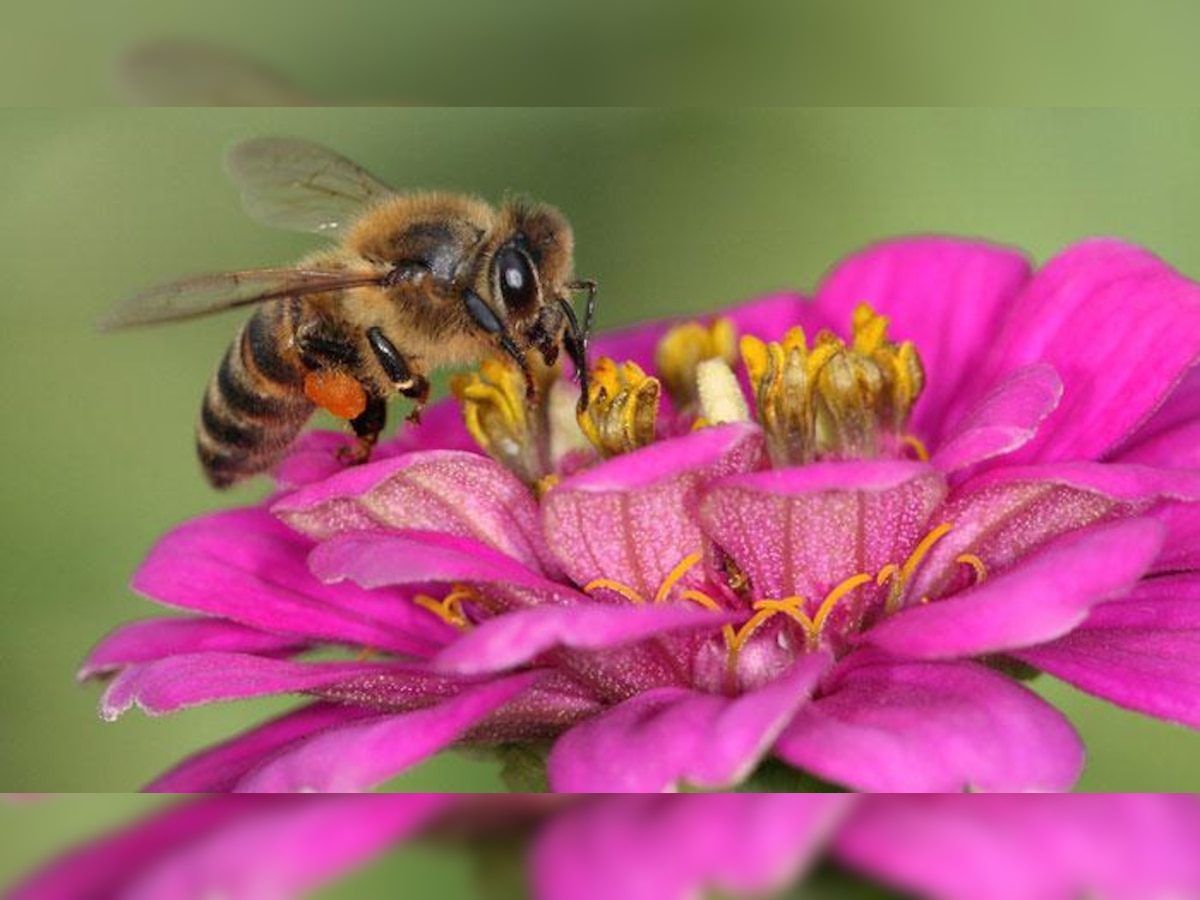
(246, 566)
(519, 637)
(105, 867)
(663, 738)
(360, 756)
(633, 518)
(154, 639)
(1180, 410)
(217, 769)
(946, 296)
(1128, 846)
(921, 727)
(1119, 326)
(286, 847)
(1174, 448)
(179, 682)
(1003, 420)
(1182, 549)
(1039, 599)
(447, 491)
(800, 531)
(314, 457)
(682, 846)
(1007, 513)
(374, 560)
(1142, 653)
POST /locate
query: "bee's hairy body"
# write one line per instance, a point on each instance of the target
(436, 246)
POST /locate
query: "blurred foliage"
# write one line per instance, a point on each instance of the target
(675, 212)
(927, 52)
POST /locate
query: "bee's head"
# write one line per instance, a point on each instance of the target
(531, 261)
(529, 278)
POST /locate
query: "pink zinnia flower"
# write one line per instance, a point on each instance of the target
(845, 583)
(1131, 847)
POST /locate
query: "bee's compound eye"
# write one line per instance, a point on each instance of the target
(518, 285)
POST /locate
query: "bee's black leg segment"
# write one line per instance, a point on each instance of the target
(482, 314)
(589, 310)
(485, 317)
(506, 343)
(390, 359)
(576, 346)
(367, 426)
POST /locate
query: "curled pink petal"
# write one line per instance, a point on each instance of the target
(1005, 419)
(918, 727)
(178, 682)
(381, 559)
(154, 639)
(445, 491)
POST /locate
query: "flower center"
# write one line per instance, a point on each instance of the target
(832, 400)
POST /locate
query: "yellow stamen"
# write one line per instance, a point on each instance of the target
(748, 628)
(702, 599)
(448, 610)
(543, 485)
(970, 559)
(917, 446)
(830, 398)
(616, 587)
(901, 578)
(684, 348)
(925, 545)
(365, 654)
(886, 572)
(682, 568)
(831, 599)
(499, 418)
(622, 411)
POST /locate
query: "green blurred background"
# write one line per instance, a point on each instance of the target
(674, 211)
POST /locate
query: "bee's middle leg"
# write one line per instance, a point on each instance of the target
(367, 426)
(400, 370)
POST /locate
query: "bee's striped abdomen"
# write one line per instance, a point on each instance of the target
(255, 404)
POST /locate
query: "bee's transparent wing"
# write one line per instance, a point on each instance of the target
(172, 72)
(205, 294)
(293, 184)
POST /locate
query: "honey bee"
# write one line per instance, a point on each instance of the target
(417, 281)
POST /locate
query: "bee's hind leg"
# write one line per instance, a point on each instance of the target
(367, 426)
(418, 392)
